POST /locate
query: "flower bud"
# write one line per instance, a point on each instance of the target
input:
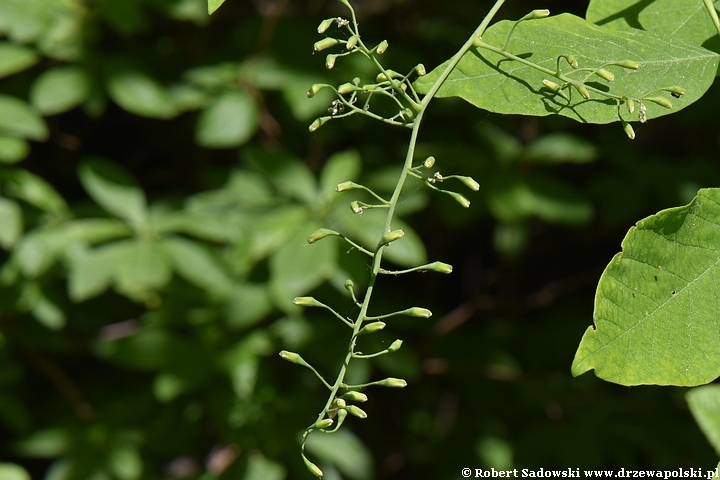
(340, 403)
(606, 74)
(387, 75)
(389, 237)
(349, 284)
(356, 81)
(346, 88)
(583, 91)
(662, 101)
(392, 382)
(418, 312)
(341, 187)
(535, 14)
(420, 69)
(356, 411)
(439, 267)
(324, 423)
(372, 328)
(306, 302)
(292, 357)
(325, 24)
(551, 85)
(355, 396)
(395, 346)
(321, 233)
(314, 469)
(356, 208)
(352, 41)
(315, 89)
(406, 113)
(382, 47)
(628, 130)
(460, 199)
(469, 182)
(629, 64)
(630, 105)
(330, 61)
(676, 92)
(572, 61)
(326, 43)
(429, 162)
(318, 123)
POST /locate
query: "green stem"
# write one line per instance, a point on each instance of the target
(713, 13)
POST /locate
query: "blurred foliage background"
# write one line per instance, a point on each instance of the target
(157, 184)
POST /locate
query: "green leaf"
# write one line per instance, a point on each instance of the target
(704, 403)
(228, 122)
(261, 468)
(12, 149)
(15, 58)
(686, 20)
(11, 223)
(90, 271)
(142, 266)
(289, 175)
(341, 167)
(140, 94)
(248, 304)
(214, 5)
(59, 90)
(10, 471)
(21, 120)
(34, 190)
(559, 148)
(491, 82)
(113, 189)
(48, 443)
(344, 450)
(196, 265)
(656, 304)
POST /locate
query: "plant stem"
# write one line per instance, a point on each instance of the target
(713, 13)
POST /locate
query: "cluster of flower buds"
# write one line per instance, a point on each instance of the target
(436, 178)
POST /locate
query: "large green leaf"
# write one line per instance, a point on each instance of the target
(230, 121)
(21, 120)
(11, 222)
(15, 58)
(686, 20)
(704, 403)
(489, 81)
(34, 190)
(140, 94)
(12, 149)
(10, 471)
(59, 90)
(194, 263)
(657, 303)
(214, 5)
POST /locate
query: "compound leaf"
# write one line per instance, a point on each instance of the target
(657, 302)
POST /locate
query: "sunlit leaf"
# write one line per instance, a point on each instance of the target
(113, 189)
(34, 190)
(194, 263)
(20, 119)
(12, 149)
(656, 304)
(11, 222)
(229, 121)
(214, 5)
(10, 471)
(140, 94)
(704, 403)
(15, 58)
(59, 90)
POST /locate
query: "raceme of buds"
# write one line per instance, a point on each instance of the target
(535, 14)
(460, 199)
(629, 64)
(382, 47)
(324, 423)
(429, 162)
(355, 396)
(676, 92)
(395, 346)
(418, 312)
(325, 24)
(318, 123)
(392, 382)
(326, 43)
(372, 327)
(356, 411)
(321, 233)
(662, 101)
(439, 267)
(330, 61)
(607, 75)
(306, 302)
(392, 236)
(628, 130)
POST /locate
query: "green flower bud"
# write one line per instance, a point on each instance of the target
(469, 182)
(630, 105)
(372, 328)
(349, 284)
(429, 162)
(572, 61)
(535, 14)
(325, 24)
(439, 267)
(346, 88)
(318, 123)
(356, 411)
(460, 199)
(356, 208)
(340, 403)
(392, 382)
(292, 357)
(324, 423)
(321, 233)
(389, 237)
(352, 41)
(326, 43)
(551, 85)
(406, 113)
(330, 61)
(632, 64)
(606, 74)
(356, 81)
(314, 469)
(341, 187)
(387, 75)
(395, 346)
(418, 312)
(306, 302)
(662, 101)
(583, 91)
(628, 130)
(420, 69)
(676, 92)
(382, 47)
(315, 89)
(355, 396)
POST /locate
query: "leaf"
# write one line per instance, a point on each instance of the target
(214, 5)
(686, 20)
(34, 190)
(704, 403)
(656, 304)
(289, 175)
(10, 471)
(261, 468)
(196, 265)
(142, 266)
(11, 223)
(341, 167)
(12, 149)
(344, 450)
(229, 121)
(90, 271)
(140, 94)
(559, 148)
(21, 120)
(113, 189)
(15, 58)
(489, 81)
(59, 90)
(248, 304)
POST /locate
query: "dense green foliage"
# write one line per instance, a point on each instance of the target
(158, 184)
